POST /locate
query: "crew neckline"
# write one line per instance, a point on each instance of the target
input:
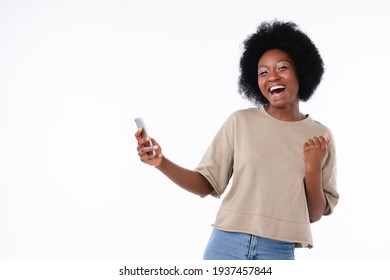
(307, 118)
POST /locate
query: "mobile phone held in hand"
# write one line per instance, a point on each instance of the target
(140, 123)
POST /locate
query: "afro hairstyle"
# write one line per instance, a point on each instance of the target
(287, 37)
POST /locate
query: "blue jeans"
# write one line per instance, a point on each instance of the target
(225, 245)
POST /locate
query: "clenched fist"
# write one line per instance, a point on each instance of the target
(314, 151)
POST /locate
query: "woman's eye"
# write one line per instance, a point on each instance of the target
(262, 73)
(283, 67)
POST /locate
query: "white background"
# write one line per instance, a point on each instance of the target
(74, 74)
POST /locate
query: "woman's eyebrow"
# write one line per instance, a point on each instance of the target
(282, 60)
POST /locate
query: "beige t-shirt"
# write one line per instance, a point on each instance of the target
(267, 193)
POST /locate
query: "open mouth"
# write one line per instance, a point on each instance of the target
(277, 89)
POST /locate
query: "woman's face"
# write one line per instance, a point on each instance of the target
(277, 78)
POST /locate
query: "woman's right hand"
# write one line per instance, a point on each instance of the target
(144, 151)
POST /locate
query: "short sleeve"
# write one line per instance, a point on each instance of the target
(217, 162)
(329, 178)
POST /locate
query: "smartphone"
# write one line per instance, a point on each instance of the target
(140, 123)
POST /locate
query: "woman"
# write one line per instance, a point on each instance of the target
(282, 162)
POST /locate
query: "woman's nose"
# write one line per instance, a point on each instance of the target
(273, 76)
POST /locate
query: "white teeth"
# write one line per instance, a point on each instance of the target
(276, 87)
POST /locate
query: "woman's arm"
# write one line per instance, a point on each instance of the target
(315, 150)
(189, 180)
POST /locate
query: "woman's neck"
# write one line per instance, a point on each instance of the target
(285, 114)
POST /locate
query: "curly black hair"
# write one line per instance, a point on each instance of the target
(287, 37)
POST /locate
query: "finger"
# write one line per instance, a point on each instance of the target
(145, 150)
(326, 137)
(322, 140)
(317, 140)
(138, 133)
(307, 143)
(312, 141)
(154, 142)
(143, 141)
(144, 156)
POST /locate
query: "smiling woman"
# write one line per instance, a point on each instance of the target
(269, 208)
(74, 74)
(300, 53)
(278, 82)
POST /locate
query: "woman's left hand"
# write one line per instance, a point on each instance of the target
(315, 150)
